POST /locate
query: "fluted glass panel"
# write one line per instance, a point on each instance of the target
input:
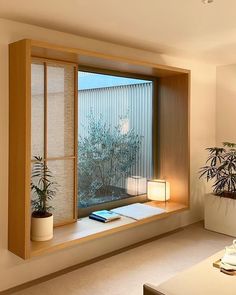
(60, 95)
(115, 137)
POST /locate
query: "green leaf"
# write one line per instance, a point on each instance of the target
(41, 181)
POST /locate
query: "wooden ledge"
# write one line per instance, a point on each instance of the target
(86, 229)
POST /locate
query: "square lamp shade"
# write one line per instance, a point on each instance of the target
(158, 190)
(136, 185)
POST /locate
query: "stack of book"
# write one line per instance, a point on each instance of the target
(104, 216)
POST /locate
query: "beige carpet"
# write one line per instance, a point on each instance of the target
(124, 274)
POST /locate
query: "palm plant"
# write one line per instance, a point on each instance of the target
(221, 168)
(43, 188)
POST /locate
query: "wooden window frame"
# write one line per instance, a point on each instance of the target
(172, 140)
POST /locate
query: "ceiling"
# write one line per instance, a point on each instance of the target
(176, 27)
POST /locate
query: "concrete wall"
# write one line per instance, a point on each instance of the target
(14, 270)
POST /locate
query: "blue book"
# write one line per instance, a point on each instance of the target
(104, 215)
(94, 217)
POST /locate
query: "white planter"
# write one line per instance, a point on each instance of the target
(220, 214)
(41, 228)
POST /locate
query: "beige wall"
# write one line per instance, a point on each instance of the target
(13, 270)
(226, 104)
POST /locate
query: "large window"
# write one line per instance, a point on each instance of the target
(114, 138)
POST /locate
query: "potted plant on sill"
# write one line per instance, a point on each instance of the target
(220, 206)
(43, 190)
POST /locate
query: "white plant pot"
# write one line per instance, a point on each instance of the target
(41, 228)
(220, 214)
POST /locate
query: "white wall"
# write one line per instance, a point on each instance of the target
(226, 104)
(13, 270)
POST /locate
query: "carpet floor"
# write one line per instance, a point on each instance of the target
(125, 273)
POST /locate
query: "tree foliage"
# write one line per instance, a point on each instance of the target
(43, 187)
(106, 155)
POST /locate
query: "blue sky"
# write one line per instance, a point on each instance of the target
(92, 81)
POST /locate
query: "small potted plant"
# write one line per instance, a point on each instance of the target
(220, 206)
(43, 190)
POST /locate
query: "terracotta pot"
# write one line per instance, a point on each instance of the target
(41, 228)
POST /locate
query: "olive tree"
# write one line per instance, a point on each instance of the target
(105, 155)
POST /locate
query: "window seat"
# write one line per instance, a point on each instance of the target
(86, 229)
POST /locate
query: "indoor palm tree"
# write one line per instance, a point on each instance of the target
(43, 189)
(221, 168)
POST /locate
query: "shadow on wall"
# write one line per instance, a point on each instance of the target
(198, 192)
(226, 104)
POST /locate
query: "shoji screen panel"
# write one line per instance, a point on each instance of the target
(60, 110)
(54, 125)
(63, 170)
(37, 109)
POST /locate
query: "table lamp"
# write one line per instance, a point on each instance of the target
(136, 185)
(158, 190)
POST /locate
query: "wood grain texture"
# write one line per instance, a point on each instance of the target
(76, 142)
(101, 60)
(217, 263)
(19, 148)
(173, 137)
(86, 229)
